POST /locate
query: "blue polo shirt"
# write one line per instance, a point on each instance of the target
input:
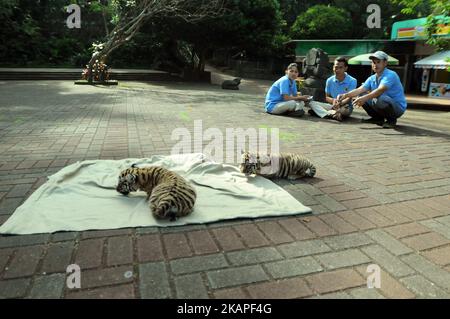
(281, 87)
(391, 80)
(333, 87)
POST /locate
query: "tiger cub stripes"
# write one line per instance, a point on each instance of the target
(169, 194)
(284, 165)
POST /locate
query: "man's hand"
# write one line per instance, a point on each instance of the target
(304, 98)
(359, 102)
(341, 97)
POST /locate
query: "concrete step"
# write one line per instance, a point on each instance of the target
(75, 74)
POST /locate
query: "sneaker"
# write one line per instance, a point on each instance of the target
(337, 117)
(373, 120)
(312, 113)
(298, 113)
(390, 124)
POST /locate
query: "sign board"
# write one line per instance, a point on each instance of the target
(439, 90)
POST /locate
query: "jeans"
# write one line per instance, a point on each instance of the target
(383, 108)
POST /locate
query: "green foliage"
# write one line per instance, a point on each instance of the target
(433, 9)
(322, 22)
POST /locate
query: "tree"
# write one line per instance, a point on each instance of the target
(438, 16)
(322, 22)
(134, 14)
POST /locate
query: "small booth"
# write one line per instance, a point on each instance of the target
(436, 74)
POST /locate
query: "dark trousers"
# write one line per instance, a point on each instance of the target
(383, 108)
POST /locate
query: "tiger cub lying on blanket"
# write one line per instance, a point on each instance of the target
(288, 165)
(169, 194)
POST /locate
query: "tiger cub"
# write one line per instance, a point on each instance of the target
(282, 165)
(169, 194)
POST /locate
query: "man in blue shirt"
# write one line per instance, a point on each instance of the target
(282, 96)
(386, 101)
(339, 83)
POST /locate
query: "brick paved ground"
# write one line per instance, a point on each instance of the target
(380, 197)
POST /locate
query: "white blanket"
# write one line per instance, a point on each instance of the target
(82, 196)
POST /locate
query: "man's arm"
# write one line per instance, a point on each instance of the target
(352, 93)
(375, 93)
(303, 98)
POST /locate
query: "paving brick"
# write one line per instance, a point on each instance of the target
(15, 288)
(297, 229)
(359, 203)
(274, 232)
(348, 241)
(423, 288)
(348, 195)
(64, 236)
(444, 230)
(417, 205)
(9, 205)
(356, 220)
(341, 259)
(202, 242)
(5, 254)
(106, 276)
(333, 295)
(391, 263)
(407, 211)
(105, 233)
(444, 220)
(406, 230)
(366, 293)
(304, 248)
(176, 246)
(253, 256)
(190, 287)
(48, 287)
(19, 190)
(198, 263)
(335, 280)
(319, 209)
(230, 293)
(333, 189)
(338, 223)
(89, 253)
(116, 292)
(429, 270)
(389, 286)
(120, 251)
(440, 256)
(149, 248)
(426, 241)
(319, 227)
(58, 257)
(227, 239)
(281, 289)
(391, 214)
(251, 236)
(236, 276)
(25, 262)
(373, 216)
(292, 267)
(154, 281)
(330, 203)
(389, 242)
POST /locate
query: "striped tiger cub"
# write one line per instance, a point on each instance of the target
(169, 194)
(284, 165)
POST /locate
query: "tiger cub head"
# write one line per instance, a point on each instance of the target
(128, 181)
(250, 164)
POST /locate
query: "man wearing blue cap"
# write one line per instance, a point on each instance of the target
(385, 102)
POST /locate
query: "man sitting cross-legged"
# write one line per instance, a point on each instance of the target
(339, 83)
